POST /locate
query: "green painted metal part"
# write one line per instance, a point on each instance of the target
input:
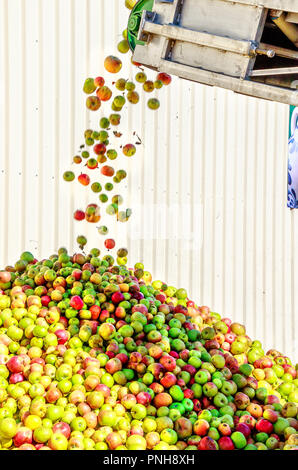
(135, 20)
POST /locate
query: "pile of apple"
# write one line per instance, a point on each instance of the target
(96, 356)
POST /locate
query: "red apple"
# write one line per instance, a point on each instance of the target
(207, 443)
(226, 443)
(62, 428)
(23, 436)
(263, 425)
(144, 398)
(62, 336)
(201, 427)
(168, 362)
(15, 364)
(76, 302)
(168, 380)
(84, 179)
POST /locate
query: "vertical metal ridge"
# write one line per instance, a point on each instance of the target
(6, 119)
(56, 117)
(202, 267)
(224, 206)
(293, 266)
(243, 174)
(72, 92)
(180, 170)
(284, 241)
(274, 238)
(192, 212)
(245, 192)
(142, 181)
(156, 191)
(167, 179)
(266, 208)
(23, 131)
(255, 106)
(213, 198)
(235, 215)
(102, 28)
(117, 34)
(41, 124)
(128, 180)
(87, 52)
(294, 341)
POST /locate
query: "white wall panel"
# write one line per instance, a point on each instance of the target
(208, 185)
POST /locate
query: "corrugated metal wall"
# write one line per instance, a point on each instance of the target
(208, 187)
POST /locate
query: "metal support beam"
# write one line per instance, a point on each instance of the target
(292, 18)
(245, 87)
(286, 5)
(177, 33)
(276, 71)
(280, 51)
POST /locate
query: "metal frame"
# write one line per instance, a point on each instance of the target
(177, 43)
(276, 71)
(244, 87)
(201, 38)
(285, 5)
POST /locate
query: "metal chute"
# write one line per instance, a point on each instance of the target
(247, 46)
